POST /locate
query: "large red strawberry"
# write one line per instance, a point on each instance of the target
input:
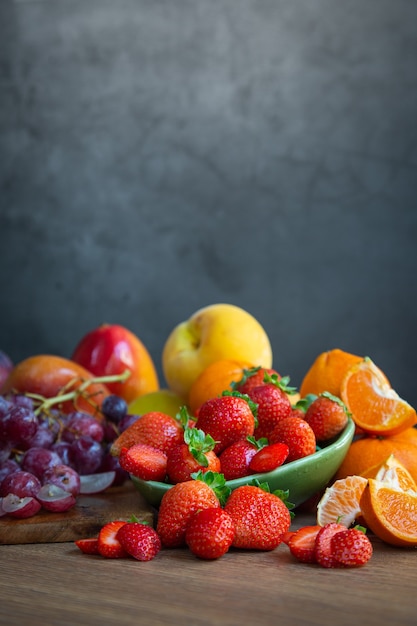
(139, 540)
(194, 454)
(269, 458)
(154, 428)
(273, 403)
(253, 377)
(227, 419)
(327, 416)
(351, 548)
(297, 434)
(235, 459)
(144, 461)
(180, 502)
(210, 533)
(260, 517)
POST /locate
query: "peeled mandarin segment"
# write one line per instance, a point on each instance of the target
(340, 501)
(374, 404)
(395, 474)
(390, 513)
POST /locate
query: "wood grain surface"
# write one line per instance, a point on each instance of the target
(59, 586)
(83, 520)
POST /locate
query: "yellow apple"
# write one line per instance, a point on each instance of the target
(217, 331)
(163, 400)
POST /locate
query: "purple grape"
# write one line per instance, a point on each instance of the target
(18, 426)
(4, 406)
(21, 484)
(82, 425)
(7, 467)
(64, 477)
(5, 450)
(127, 421)
(63, 449)
(86, 454)
(19, 399)
(111, 463)
(114, 408)
(111, 431)
(38, 460)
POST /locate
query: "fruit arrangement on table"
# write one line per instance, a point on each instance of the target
(228, 448)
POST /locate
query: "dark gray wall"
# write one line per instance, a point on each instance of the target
(158, 156)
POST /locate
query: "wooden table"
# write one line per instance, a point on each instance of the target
(54, 584)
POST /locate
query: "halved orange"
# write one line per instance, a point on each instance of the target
(391, 514)
(392, 471)
(375, 406)
(340, 501)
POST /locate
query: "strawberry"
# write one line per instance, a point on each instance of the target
(273, 403)
(210, 533)
(322, 549)
(88, 546)
(180, 502)
(351, 547)
(154, 428)
(139, 540)
(235, 459)
(327, 416)
(269, 457)
(302, 543)
(144, 461)
(108, 545)
(252, 377)
(196, 453)
(261, 518)
(297, 434)
(227, 418)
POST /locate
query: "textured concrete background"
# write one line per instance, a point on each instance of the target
(158, 156)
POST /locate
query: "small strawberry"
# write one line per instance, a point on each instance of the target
(297, 434)
(88, 545)
(351, 547)
(260, 517)
(253, 377)
(108, 544)
(327, 416)
(144, 461)
(269, 458)
(210, 533)
(154, 428)
(227, 418)
(196, 453)
(180, 502)
(323, 549)
(302, 543)
(139, 540)
(273, 403)
(235, 459)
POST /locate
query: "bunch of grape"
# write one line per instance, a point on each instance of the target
(48, 458)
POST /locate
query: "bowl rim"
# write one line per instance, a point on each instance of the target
(342, 440)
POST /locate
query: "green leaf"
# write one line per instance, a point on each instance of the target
(215, 481)
(282, 383)
(247, 373)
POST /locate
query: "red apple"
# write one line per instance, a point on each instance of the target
(111, 349)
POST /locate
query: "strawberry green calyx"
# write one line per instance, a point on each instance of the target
(136, 520)
(280, 493)
(339, 401)
(216, 482)
(258, 443)
(305, 402)
(247, 373)
(183, 417)
(199, 444)
(282, 383)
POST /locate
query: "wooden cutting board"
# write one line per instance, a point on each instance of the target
(84, 520)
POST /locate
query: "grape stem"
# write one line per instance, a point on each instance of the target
(64, 396)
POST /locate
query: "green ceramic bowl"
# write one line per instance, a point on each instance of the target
(303, 478)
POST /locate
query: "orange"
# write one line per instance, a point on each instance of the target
(394, 472)
(327, 372)
(376, 408)
(213, 380)
(390, 513)
(340, 501)
(367, 452)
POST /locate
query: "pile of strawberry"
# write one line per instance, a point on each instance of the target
(203, 514)
(331, 545)
(252, 429)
